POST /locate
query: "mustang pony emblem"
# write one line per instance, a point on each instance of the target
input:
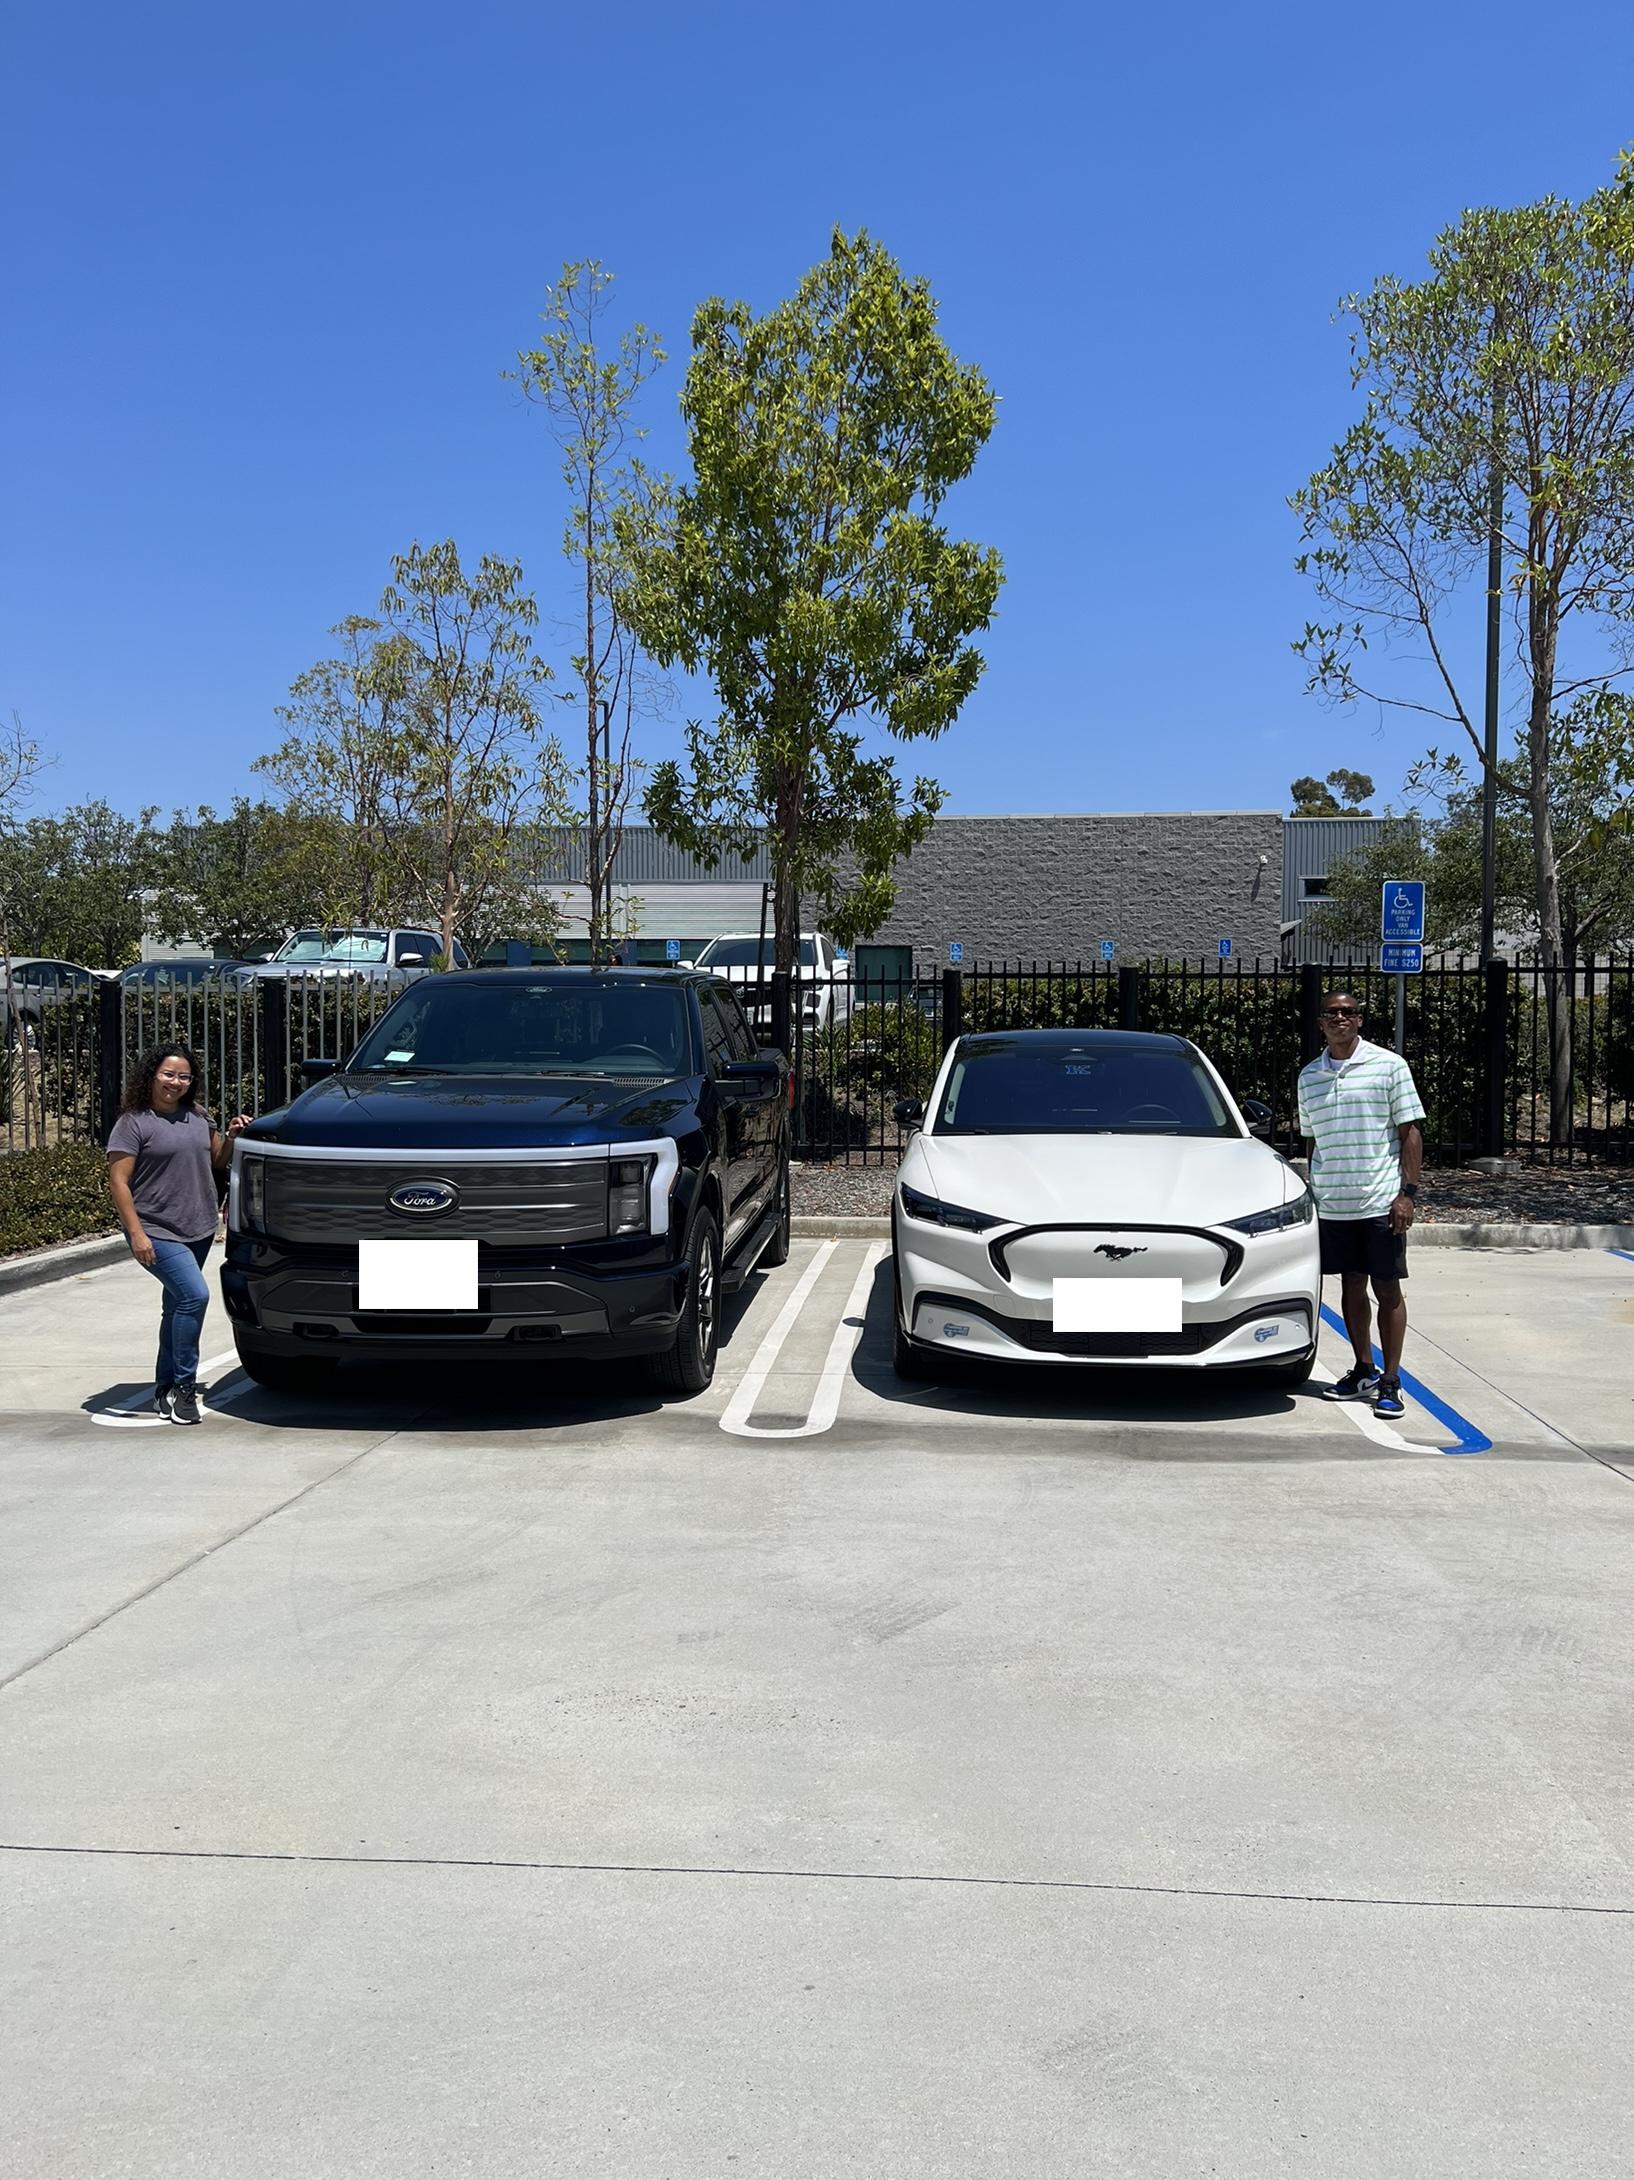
(1111, 1249)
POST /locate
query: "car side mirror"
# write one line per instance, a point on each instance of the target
(909, 1112)
(411, 961)
(763, 1074)
(315, 1070)
(1258, 1115)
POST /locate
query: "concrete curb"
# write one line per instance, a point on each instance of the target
(1427, 1236)
(41, 1266)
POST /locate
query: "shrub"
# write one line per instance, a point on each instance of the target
(51, 1195)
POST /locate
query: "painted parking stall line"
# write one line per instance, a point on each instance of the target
(746, 1399)
(836, 1366)
(1466, 1437)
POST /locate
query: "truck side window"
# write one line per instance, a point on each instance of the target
(739, 1035)
(717, 1037)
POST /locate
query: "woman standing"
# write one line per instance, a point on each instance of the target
(162, 1157)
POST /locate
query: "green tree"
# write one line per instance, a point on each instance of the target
(21, 762)
(252, 873)
(1511, 363)
(82, 884)
(805, 570)
(1342, 794)
(589, 398)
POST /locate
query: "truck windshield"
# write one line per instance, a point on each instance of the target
(744, 953)
(496, 1028)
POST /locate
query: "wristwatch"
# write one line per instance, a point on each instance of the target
(1409, 1188)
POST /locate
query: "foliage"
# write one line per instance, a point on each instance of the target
(1498, 397)
(53, 1195)
(1342, 794)
(425, 742)
(77, 885)
(253, 873)
(589, 399)
(805, 569)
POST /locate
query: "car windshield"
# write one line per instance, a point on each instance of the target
(496, 1028)
(744, 953)
(1049, 1086)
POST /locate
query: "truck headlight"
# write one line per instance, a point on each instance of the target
(627, 1195)
(252, 1193)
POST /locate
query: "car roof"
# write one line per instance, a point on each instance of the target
(1110, 1040)
(569, 973)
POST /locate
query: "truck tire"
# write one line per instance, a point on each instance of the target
(776, 1250)
(282, 1373)
(689, 1364)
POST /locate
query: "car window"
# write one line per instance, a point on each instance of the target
(304, 946)
(417, 942)
(499, 1028)
(739, 1036)
(743, 953)
(717, 1036)
(367, 947)
(1057, 1085)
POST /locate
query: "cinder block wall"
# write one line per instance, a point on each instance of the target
(1165, 883)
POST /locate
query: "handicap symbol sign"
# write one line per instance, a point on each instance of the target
(1107, 949)
(672, 949)
(955, 951)
(1401, 910)
(1225, 949)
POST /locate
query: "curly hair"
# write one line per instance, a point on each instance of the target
(139, 1083)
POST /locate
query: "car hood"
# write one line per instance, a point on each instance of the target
(475, 1112)
(1119, 1180)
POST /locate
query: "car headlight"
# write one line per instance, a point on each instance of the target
(627, 1195)
(252, 1193)
(1297, 1213)
(936, 1213)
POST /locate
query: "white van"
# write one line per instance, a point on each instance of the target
(745, 961)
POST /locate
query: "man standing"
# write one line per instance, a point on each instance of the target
(1359, 1110)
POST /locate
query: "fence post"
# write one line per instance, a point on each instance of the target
(272, 1000)
(110, 1055)
(782, 1014)
(1310, 1011)
(1128, 999)
(953, 1007)
(1495, 1042)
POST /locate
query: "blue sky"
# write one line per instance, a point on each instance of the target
(267, 267)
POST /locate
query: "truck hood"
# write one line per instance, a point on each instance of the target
(472, 1112)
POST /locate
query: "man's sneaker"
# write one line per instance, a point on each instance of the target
(1387, 1398)
(184, 1403)
(1356, 1384)
(162, 1397)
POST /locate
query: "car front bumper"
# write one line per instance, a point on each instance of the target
(1245, 1300)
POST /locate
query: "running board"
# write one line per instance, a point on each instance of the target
(759, 1242)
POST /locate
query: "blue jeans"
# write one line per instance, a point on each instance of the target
(178, 1266)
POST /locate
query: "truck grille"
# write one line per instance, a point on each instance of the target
(332, 1200)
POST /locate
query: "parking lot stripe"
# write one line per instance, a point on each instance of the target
(1467, 1439)
(744, 1401)
(1627, 1255)
(825, 1404)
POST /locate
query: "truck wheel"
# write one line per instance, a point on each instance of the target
(282, 1373)
(776, 1250)
(689, 1365)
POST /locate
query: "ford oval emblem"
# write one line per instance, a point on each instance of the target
(422, 1199)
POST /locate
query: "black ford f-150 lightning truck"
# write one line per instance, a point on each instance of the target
(514, 1161)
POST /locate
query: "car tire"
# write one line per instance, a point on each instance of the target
(1286, 1375)
(776, 1250)
(283, 1373)
(688, 1365)
(907, 1360)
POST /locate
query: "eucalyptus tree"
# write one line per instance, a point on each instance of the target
(805, 570)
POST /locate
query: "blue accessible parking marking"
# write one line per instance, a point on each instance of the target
(1467, 1439)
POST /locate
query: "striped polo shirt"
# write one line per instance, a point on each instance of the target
(1352, 1114)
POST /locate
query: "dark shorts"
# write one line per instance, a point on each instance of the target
(1363, 1245)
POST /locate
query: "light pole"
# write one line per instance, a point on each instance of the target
(1494, 638)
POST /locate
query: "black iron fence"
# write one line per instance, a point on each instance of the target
(1511, 1058)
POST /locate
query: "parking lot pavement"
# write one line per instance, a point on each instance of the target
(1042, 1773)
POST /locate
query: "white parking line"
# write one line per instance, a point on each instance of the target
(836, 1367)
(743, 1402)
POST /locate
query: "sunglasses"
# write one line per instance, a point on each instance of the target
(1340, 1014)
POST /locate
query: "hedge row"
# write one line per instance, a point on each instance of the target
(51, 1195)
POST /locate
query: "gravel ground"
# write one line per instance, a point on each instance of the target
(1452, 1194)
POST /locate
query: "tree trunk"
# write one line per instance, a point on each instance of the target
(1546, 880)
(594, 861)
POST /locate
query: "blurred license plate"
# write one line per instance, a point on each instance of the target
(417, 1275)
(1117, 1305)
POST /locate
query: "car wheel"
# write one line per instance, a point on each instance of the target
(689, 1365)
(1286, 1375)
(776, 1250)
(907, 1360)
(283, 1373)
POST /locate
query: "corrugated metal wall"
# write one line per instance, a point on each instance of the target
(1310, 848)
(645, 858)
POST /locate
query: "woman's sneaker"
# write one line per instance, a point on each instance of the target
(184, 1403)
(1387, 1398)
(162, 1397)
(1356, 1384)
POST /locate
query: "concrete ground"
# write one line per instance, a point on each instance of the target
(1040, 1774)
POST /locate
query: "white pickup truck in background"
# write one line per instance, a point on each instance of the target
(744, 960)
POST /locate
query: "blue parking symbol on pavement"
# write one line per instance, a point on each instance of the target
(672, 949)
(955, 950)
(1225, 949)
(1107, 949)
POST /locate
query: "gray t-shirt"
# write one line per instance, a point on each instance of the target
(172, 1183)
